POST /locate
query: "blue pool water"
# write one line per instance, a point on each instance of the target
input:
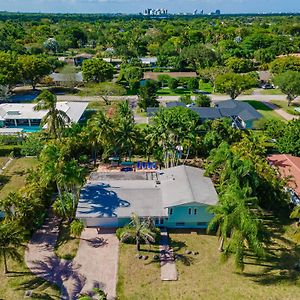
(28, 128)
(24, 97)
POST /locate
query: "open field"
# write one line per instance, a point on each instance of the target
(266, 111)
(289, 109)
(204, 277)
(15, 174)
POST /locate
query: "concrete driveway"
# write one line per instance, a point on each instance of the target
(98, 259)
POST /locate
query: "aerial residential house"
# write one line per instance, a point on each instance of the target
(23, 115)
(154, 75)
(80, 58)
(241, 113)
(176, 197)
(288, 167)
(149, 62)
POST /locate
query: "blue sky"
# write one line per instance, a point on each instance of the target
(133, 6)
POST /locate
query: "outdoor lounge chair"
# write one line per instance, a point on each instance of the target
(138, 165)
(143, 165)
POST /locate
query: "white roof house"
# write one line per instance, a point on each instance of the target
(25, 111)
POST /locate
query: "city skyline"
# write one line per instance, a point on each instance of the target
(135, 6)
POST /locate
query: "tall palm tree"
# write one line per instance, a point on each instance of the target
(55, 118)
(237, 225)
(11, 239)
(140, 231)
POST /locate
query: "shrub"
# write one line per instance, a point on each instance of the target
(10, 150)
(76, 228)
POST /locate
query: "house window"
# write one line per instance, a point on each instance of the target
(180, 224)
(195, 211)
(171, 211)
(204, 224)
(190, 211)
(161, 221)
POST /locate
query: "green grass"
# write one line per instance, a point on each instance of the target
(289, 109)
(14, 175)
(266, 111)
(19, 279)
(203, 276)
(178, 92)
(66, 245)
(271, 92)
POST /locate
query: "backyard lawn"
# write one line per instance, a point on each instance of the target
(285, 107)
(203, 276)
(13, 177)
(266, 111)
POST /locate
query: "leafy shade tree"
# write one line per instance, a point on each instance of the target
(132, 75)
(239, 65)
(203, 100)
(138, 230)
(234, 84)
(193, 83)
(173, 84)
(55, 118)
(33, 68)
(11, 239)
(110, 89)
(284, 64)
(163, 79)
(51, 45)
(147, 95)
(9, 69)
(97, 70)
(289, 141)
(289, 84)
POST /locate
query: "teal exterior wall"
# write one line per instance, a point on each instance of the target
(192, 215)
(249, 124)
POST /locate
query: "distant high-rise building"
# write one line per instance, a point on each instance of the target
(218, 12)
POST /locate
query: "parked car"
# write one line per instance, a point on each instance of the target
(267, 86)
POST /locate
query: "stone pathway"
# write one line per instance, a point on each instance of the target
(168, 271)
(94, 266)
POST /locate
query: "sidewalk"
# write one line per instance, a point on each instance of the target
(167, 262)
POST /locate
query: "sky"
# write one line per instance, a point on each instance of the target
(135, 6)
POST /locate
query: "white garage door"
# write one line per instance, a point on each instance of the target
(101, 222)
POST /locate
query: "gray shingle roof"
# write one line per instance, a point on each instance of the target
(207, 112)
(242, 109)
(184, 184)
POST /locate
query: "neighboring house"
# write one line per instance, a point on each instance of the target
(149, 62)
(20, 115)
(62, 78)
(289, 169)
(80, 58)
(177, 197)
(154, 75)
(242, 113)
(116, 62)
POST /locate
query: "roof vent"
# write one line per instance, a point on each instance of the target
(157, 182)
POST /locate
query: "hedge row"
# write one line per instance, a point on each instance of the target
(13, 150)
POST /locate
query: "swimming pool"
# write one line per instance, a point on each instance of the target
(28, 128)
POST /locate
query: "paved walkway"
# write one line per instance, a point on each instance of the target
(6, 165)
(168, 271)
(94, 266)
(280, 111)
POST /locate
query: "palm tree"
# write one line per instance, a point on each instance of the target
(55, 118)
(237, 225)
(140, 231)
(11, 239)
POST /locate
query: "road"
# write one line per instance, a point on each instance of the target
(214, 97)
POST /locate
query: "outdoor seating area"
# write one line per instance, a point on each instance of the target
(127, 166)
